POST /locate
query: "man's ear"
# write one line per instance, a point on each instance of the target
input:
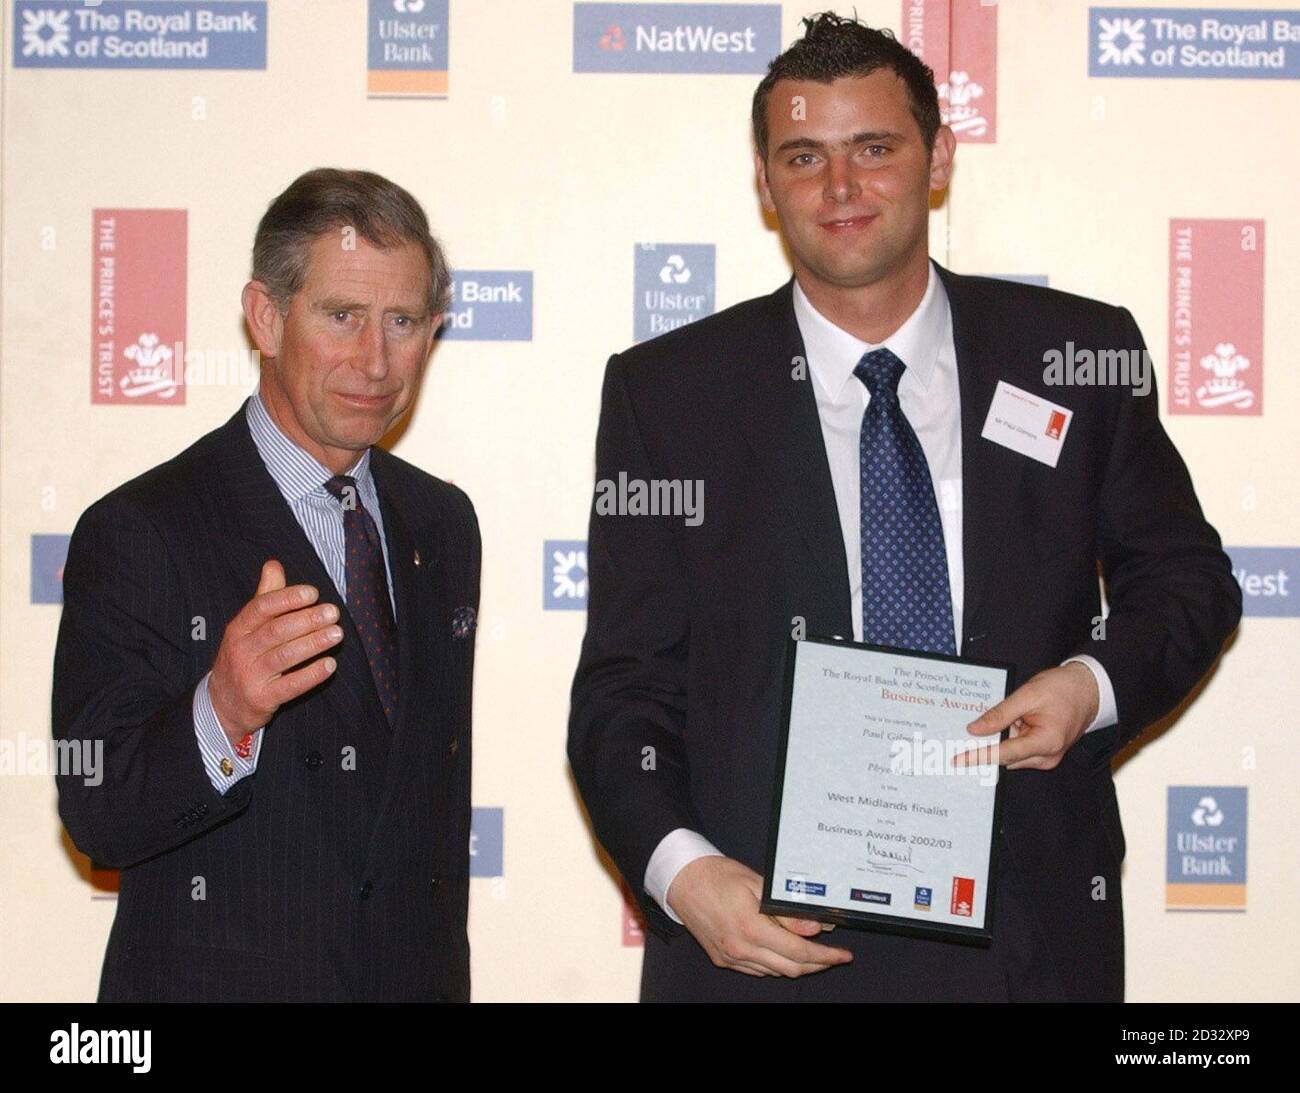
(764, 190)
(941, 158)
(264, 319)
(435, 325)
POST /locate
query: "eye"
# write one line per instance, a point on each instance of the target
(340, 316)
(802, 159)
(877, 150)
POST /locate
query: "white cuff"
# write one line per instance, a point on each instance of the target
(675, 852)
(214, 744)
(1107, 714)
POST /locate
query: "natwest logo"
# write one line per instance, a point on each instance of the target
(675, 37)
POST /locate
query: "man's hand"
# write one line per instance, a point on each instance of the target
(273, 632)
(718, 898)
(1046, 715)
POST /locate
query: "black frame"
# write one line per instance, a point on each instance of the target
(980, 936)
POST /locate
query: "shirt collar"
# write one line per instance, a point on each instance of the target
(296, 473)
(833, 353)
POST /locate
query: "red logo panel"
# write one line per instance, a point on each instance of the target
(137, 306)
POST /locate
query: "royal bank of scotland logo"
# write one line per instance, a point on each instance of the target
(1121, 41)
(1194, 43)
(564, 575)
(487, 842)
(139, 34)
(45, 33)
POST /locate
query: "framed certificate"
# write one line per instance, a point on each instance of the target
(872, 824)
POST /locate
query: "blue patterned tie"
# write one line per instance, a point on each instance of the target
(906, 598)
(368, 590)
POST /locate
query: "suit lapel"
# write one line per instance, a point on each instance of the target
(990, 473)
(778, 416)
(423, 628)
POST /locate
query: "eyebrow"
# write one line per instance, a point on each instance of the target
(339, 303)
(857, 138)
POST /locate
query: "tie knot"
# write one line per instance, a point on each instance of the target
(344, 487)
(880, 369)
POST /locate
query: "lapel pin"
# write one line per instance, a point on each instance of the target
(416, 559)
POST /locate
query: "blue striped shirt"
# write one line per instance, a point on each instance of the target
(301, 479)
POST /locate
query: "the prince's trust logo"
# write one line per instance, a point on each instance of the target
(1076, 367)
(958, 105)
(1194, 42)
(1225, 385)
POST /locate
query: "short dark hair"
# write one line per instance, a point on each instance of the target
(833, 47)
(329, 198)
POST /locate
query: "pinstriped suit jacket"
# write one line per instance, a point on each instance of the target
(339, 869)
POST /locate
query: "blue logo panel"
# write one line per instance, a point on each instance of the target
(490, 305)
(564, 575)
(158, 34)
(732, 38)
(1194, 43)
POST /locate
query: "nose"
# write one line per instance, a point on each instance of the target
(373, 351)
(841, 180)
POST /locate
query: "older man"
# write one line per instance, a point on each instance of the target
(272, 634)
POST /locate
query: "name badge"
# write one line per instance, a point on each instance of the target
(1027, 423)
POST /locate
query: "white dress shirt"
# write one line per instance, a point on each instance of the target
(301, 479)
(931, 400)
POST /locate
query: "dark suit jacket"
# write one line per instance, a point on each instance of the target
(687, 626)
(318, 882)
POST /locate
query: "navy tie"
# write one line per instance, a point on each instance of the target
(367, 597)
(906, 598)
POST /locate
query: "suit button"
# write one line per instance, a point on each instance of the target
(313, 760)
(366, 888)
(454, 746)
(434, 882)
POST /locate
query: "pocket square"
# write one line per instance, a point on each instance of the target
(463, 622)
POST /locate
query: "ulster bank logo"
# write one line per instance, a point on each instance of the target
(735, 38)
(1205, 862)
(407, 50)
(673, 284)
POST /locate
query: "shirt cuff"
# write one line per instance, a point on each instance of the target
(224, 765)
(675, 852)
(1107, 714)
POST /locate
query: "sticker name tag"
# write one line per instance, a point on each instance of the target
(1027, 424)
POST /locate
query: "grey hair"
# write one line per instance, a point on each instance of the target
(327, 199)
